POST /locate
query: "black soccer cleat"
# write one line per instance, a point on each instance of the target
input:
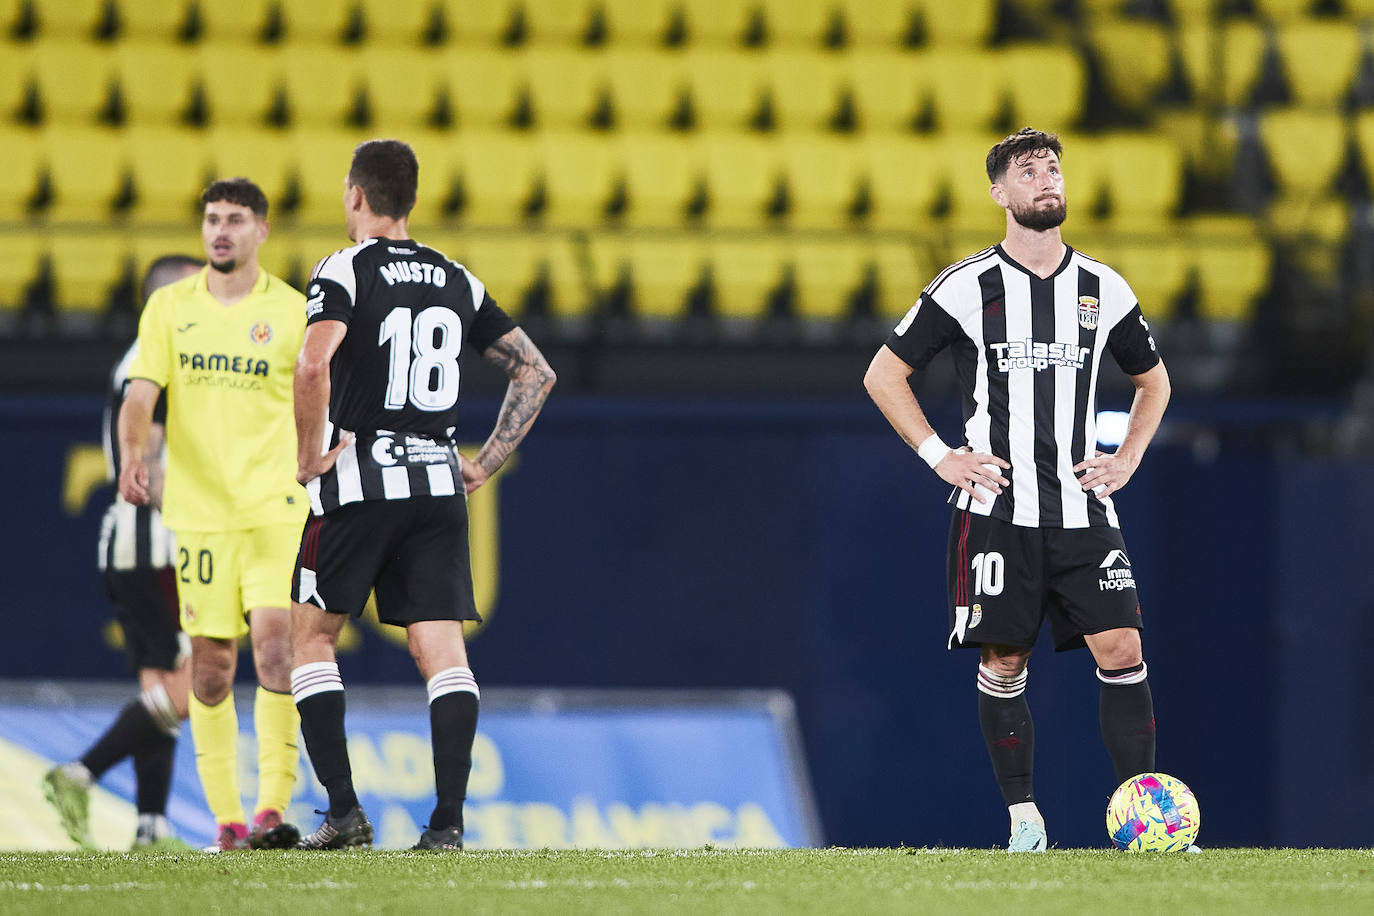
(271, 832)
(442, 838)
(352, 829)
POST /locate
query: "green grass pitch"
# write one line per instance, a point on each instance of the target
(703, 881)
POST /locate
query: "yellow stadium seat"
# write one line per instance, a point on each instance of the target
(965, 87)
(170, 166)
(88, 172)
(1157, 269)
(821, 171)
(21, 161)
(1364, 142)
(805, 87)
(292, 253)
(513, 265)
(1054, 95)
(1306, 149)
(319, 22)
(87, 267)
(800, 23)
(479, 22)
(971, 207)
(1133, 56)
(24, 251)
(396, 104)
(646, 86)
(1143, 175)
(1283, 10)
(1243, 47)
(153, 20)
(263, 156)
(906, 175)
(440, 158)
(826, 274)
(966, 23)
(74, 80)
(727, 85)
(1233, 266)
(1320, 59)
(662, 172)
(744, 273)
(742, 172)
(879, 23)
(500, 170)
(581, 170)
(557, 21)
(240, 82)
(890, 87)
(718, 22)
(16, 78)
(320, 159)
(483, 86)
(236, 22)
(73, 19)
(396, 25)
(322, 83)
(1190, 13)
(902, 269)
(663, 273)
(641, 22)
(566, 85)
(155, 80)
(1360, 10)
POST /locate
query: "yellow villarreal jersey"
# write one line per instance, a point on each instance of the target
(231, 428)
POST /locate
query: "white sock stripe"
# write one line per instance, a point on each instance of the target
(1124, 680)
(159, 706)
(1002, 686)
(452, 680)
(315, 677)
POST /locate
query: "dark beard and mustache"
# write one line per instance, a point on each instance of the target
(1032, 217)
(224, 267)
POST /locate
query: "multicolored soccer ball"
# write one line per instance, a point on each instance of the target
(1153, 812)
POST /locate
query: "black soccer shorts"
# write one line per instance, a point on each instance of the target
(413, 552)
(145, 603)
(1005, 579)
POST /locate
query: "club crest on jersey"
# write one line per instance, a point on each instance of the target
(261, 333)
(1087, 313)
(975, 616)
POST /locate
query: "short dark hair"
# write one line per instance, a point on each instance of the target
(239, 191)
(166, 269)
(389, 175)
(1025, 142)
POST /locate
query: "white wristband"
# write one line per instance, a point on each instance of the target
(933, 450)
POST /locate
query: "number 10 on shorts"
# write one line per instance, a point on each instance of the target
(988, 573)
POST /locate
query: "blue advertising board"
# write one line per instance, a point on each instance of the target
(550, 770)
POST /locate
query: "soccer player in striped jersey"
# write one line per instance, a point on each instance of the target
(223, 345)
(135, 560)
(1034, 533)
(376, 409)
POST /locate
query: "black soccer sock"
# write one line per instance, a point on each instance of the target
(1127, 715)
(318, 691)
(453, 702)
(153, 773)
(1009, 732)
(135, 727)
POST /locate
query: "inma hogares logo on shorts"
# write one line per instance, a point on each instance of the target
(1118, 571)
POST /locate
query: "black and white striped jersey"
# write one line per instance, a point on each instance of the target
(1027, 353)
(394, 379)
(131, 537)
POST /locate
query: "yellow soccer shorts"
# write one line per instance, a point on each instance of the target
(222, 575)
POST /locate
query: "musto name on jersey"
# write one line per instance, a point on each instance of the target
(223, 371)
(413, 272)
(1036, 354)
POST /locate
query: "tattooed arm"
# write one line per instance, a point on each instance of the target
(531, 380)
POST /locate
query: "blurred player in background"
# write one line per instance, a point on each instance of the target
(376, 409)
(223, 345)
(1034, 533)
(135, 560)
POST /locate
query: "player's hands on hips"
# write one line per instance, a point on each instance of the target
(307, 469)
(1104, 474)
(133, 483)
(474, 475)
(967, 469)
